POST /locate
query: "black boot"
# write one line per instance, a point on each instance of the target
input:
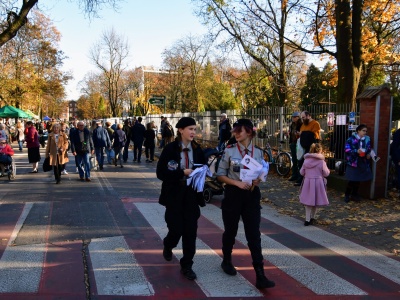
(228, 268)
(262, 282)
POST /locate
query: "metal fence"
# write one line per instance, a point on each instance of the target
(274, 122)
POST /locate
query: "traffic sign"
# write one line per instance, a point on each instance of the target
(157, 100)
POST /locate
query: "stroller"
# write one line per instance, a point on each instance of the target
(9, 167)
(212, 186)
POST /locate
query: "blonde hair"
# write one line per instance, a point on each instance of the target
(316, 148)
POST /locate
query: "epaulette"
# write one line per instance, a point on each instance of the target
(231, 145)
(258, 147)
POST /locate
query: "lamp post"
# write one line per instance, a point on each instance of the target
(325, 84)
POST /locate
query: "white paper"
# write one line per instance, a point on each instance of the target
(198, 177)
(251, 163)
(374, 157)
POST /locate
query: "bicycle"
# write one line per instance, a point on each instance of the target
(278, 157)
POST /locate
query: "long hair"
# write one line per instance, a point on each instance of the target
(316, 148)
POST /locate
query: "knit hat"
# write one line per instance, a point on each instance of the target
(185, 122)
(244, 122)
(296, 114)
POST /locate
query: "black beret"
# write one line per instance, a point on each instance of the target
(185, 122)
(244, 122)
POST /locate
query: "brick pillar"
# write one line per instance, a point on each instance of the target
(368, 106)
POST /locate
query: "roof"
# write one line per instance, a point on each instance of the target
(372, 91)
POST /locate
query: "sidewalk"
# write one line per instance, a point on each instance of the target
(373, 223)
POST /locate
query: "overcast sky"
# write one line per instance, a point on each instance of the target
(150, 26)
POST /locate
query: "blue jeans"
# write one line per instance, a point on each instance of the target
(20, 144)
(99, 155)
(83, 164)
(108, 154)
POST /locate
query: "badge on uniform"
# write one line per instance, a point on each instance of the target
(172, 165)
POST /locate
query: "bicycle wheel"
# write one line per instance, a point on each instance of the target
(267, 157)
(283, 163)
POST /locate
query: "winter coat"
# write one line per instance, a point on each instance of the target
(52, 149)
(76, 144)
(225, 130)
(119, 137)
(354, 143)
(137, 133)
(101, 138)
(31, 137)
(149, 136)
(6, 150)
(313, 190)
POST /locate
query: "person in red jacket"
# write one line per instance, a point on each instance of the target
(5, 153)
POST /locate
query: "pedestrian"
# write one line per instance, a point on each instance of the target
(313, 191)
(176, 163)
(109, 151)
(6, 151)
(19, 135)
(358, 161)
(82, 147)
(137, 136)
(74, 126)
(119, 141)
(168, 134)
(294, 133)
(395, 155)
(65, 131)
(33, 145)
(309, 134)
(162, 125)
(241, 201)
(56, 150)
(127, 129)
(101, 141)
(149, 143)
(3, 132)
(224, 131)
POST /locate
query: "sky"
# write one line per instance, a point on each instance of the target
(149, 26)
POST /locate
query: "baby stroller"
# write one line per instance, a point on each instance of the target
(212, 186)
(9, 167)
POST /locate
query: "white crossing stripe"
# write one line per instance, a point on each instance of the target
(21, 266)
(292, 263)
(116, 270)
(210, 277)
(372, 260)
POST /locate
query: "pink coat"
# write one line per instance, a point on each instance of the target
(313, 190)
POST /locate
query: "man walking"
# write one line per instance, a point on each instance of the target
(137, 136)
(110, 132)
(294, 132)
(101, 140)
(309, 134)
(82, 147)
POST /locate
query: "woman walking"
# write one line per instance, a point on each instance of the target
(182, 211)
(33, 145)
(242, 200)
(119, 142)
(358, 160)
(19, 135)
(56, 149)
(313, 191)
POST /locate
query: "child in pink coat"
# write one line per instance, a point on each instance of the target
(313, 190)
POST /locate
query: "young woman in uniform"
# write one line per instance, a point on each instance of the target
(181, 201)
(241, 200)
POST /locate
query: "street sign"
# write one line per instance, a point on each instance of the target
(157, 100)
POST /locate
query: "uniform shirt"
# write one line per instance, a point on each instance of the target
(183, 157)
(230, 162)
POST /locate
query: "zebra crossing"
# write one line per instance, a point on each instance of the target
(305, 262)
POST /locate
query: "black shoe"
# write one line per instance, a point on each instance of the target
(58, 182)
(101, 167)
(228, 268)
(306, 223)
(122, 166)
(297, 184)
(346, 198)
(188, 273)
(139, 161)
(293, 178)
(355, 198)
(263, 282)
(167, 253)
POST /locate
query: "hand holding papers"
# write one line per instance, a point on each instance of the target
(198, 177)
(254, 170)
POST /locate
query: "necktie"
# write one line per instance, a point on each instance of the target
(246, 151)
(186, 151)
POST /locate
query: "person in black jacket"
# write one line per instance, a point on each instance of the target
(137, 136)
(81, 146)
(182, 202)
(149, 143)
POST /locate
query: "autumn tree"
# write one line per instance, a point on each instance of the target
(110, 56)
(13, 18)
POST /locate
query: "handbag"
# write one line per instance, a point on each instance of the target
(46, 165)
(299, 150)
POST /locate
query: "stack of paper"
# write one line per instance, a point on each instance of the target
(254, 170)
(198, 177)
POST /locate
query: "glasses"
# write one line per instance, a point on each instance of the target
(3, 143)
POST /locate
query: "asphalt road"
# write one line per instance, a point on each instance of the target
(103, 240)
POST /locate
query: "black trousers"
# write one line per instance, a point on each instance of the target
(149, 151)
(246, 204)
(57, 171)
(181, 216)
(137, 151)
